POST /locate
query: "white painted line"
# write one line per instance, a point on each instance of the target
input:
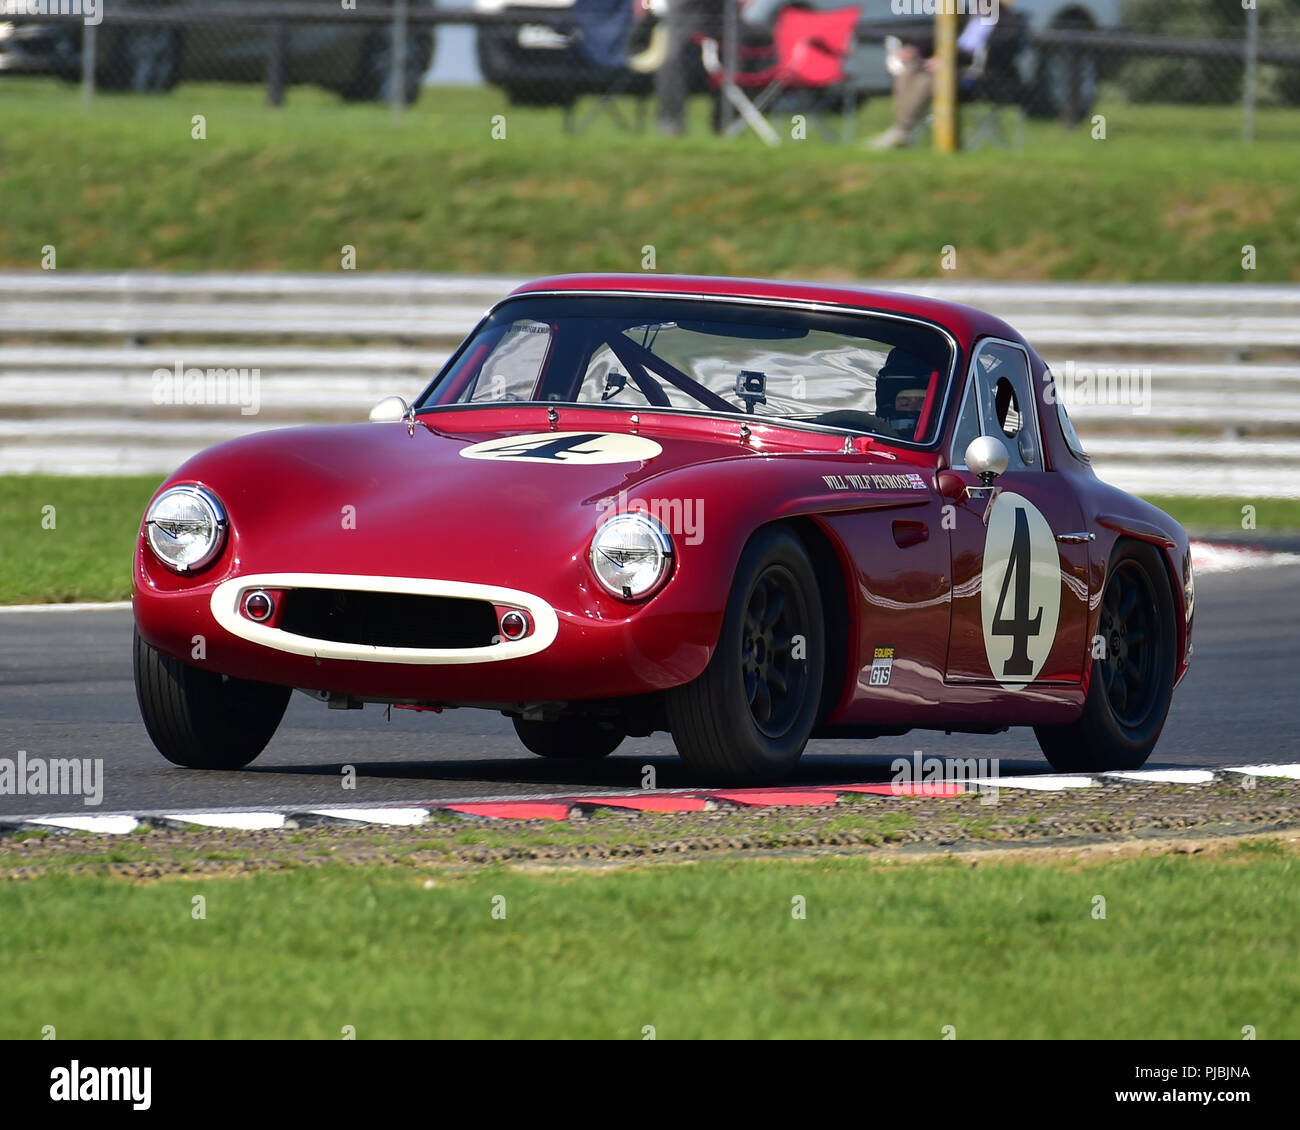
(396, 817)
(242, 821)
(107, 606)
(1290, 771)
(1166, 776)
(1053, 783)
(105, 825)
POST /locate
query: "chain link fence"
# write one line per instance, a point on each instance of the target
(554, 52)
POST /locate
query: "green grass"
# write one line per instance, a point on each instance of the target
(87, 555)
(1190, 948)
(1227, 514)
(1171, 193)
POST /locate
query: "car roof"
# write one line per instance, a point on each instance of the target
(966, 323)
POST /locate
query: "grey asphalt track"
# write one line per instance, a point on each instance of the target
(66, 691)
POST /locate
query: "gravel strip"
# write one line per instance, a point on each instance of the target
(888, 826)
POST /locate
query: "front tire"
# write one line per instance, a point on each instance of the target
(200, 719)
(748, 716)
(1132, 683)
(581, 739)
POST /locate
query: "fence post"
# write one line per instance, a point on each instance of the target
(1248, 91)
(276, 68)
(946, 123)
(87, 63)
(730, 58)
(398, 93)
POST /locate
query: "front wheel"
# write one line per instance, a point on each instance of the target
(200, 719)
(581, 738)
(146, 60)
(1132, 681)
(748, 716)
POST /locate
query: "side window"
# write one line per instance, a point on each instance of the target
(512, 369)
(968, 426)
(1000, 402)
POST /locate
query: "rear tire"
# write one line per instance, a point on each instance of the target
(1132, 684)
(748, 716)
(580, 739)
(200, 719)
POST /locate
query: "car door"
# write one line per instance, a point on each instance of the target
(1020, 560)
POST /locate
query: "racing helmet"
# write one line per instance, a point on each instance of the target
(901, 388)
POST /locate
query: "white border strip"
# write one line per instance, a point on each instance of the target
(406, 815)
(107, 606)
(225, 609)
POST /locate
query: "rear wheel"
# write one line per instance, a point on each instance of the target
(146, 60)
(748, 716)
(583, 739)
(201, 719)
(1132, 679)
(373, 80)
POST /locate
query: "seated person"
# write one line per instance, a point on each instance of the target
(914, 78)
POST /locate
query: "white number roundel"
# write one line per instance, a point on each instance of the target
(560, 448)
(1020, 592)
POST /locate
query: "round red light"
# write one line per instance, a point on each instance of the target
(258, 606)
(514, 625)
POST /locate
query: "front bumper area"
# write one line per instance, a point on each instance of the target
(571, 654)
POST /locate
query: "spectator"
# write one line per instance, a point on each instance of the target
(914, 78)
(686, 19)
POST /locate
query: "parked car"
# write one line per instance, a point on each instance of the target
(354, 61)
(748, 513)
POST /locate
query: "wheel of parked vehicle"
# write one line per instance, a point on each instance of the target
(749, 715)
(584, 739)
(1062, 72)
(1132, 679)
(146, 60)
(373, 80)
(201, 719)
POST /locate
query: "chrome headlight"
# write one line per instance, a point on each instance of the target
(185, 527)
(631, 555)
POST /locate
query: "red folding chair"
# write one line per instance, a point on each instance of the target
(810, 49)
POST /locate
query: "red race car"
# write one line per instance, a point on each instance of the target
(748, 513)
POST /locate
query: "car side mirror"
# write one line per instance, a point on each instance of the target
(390, 409)
(987, 457)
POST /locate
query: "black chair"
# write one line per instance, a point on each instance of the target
(993, 82)
(603, 37)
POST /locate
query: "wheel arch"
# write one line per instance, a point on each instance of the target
(833, 588)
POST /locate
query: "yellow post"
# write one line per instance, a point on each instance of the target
(946, 120)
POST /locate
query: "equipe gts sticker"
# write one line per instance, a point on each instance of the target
(882, 666)
(1020, 592)
(565, 448)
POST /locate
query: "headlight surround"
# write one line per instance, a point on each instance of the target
(631, 556)
(185, 527)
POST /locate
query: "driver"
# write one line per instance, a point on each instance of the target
(901, 388)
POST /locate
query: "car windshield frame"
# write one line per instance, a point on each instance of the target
(638, 307)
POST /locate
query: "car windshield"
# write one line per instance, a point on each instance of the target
(853, 372)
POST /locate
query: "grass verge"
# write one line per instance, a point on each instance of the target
(707, 949)
(1170, 193)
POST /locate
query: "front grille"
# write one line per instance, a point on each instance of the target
(389, 619)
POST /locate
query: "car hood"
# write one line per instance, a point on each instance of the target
(478, 494)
